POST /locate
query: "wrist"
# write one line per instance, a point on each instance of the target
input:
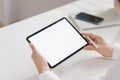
(108, 51)
(43, 70)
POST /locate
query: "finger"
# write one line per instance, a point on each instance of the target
(86, 33)
(90, 48)
(91, 35)
(35, 52)
(32, 47)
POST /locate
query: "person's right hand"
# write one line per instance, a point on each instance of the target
(103, 48)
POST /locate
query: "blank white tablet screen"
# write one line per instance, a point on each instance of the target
(58, 41)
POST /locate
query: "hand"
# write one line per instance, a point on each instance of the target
(103, 48)
(117, 5)
(39, 60)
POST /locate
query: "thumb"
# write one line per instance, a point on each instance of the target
(32, 47)
(90, 48)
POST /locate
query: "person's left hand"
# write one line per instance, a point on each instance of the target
(39, 60)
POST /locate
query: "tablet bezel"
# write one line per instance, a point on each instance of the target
(51, 26)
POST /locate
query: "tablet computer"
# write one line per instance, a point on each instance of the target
(58, 41)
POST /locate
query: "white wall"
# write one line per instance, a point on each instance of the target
(14, 10)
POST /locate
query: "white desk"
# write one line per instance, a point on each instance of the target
(15, 54)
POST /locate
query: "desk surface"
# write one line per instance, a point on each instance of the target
(15, 54)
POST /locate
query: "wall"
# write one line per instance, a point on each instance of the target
(15, 10)
(4, 11)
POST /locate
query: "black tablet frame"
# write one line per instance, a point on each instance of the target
(27, 38)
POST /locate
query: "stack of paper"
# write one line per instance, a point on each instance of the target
(111, 18)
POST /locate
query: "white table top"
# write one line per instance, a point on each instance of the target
(15, 54)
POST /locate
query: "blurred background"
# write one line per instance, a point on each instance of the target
(15, 10)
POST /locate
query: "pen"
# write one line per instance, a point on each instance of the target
(92, 41)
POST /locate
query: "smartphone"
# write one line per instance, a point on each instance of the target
(89, 18)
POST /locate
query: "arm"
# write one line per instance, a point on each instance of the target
(103, 48)
(42, 66)
(113, 72)
(116, 51)
(107, 51)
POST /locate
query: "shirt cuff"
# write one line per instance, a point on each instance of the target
(48, 75)
(116, 51)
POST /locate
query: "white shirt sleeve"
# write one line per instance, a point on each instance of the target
(116, 51)
(113, 72)
(48, 75)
